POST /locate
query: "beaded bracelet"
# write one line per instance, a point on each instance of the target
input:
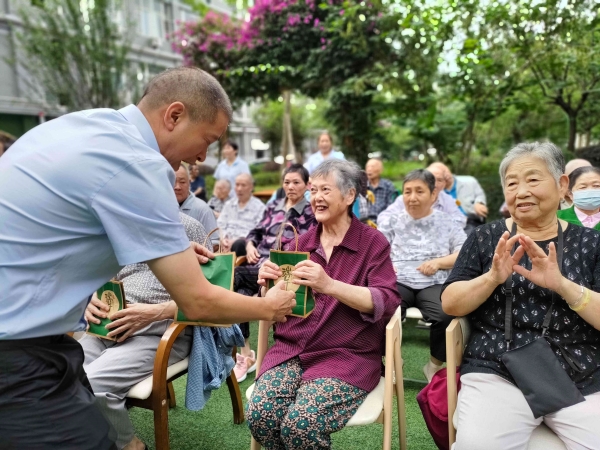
(584, 302)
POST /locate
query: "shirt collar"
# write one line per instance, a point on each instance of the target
(351, 240)
(136, 118)
(299, 207)
(584, 217)
(187, 203)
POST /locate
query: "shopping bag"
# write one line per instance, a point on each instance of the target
(113, 295)
(218, 271)
(286, 261)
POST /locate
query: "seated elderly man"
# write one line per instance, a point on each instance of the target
(240, 215)
(425, 243)
(220, 196)
(113, 367)
(547, 292)
(321, 368)
(193, 206)
(383, 190)
(468, 194)
(443, 202)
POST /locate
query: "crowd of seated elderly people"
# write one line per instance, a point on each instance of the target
(425, 253)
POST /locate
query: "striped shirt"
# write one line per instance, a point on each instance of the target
(337, 341)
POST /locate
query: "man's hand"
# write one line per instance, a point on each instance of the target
(202, 253)
(133, 318)
(481, 209)
(96, 310)
(309, 273)
(280, 302)
(252, 255)
(428, 268)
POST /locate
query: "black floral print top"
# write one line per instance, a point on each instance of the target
(581, 264)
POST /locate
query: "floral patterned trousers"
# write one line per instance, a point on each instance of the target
(286, 412)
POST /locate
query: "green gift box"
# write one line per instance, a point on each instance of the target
(305, 301)
(218, 271)
(113, 295)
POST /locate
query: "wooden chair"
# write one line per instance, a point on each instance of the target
(377, 407)
(457, 336)
(156, 392)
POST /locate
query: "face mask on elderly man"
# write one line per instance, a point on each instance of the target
(587, 199)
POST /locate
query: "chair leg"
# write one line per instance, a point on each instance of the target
(400, 396)
(171, 395)
(161, 425)
(236, 399)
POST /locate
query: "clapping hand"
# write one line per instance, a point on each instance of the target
(544, 268)
(503, 262)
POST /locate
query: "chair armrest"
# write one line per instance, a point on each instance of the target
(240, 260)
(263, 341)
(161, 362)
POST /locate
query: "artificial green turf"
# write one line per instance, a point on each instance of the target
(213, 428)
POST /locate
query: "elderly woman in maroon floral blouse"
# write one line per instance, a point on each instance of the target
(321, 368)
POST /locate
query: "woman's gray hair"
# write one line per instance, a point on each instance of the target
(347, 174)
(420, 174)
(546, 151)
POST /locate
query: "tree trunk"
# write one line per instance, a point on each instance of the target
(467, 145)
(287, 136)
(572, 132)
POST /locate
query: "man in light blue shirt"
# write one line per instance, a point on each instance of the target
(325, 143)
(80, 197)
(231, 166)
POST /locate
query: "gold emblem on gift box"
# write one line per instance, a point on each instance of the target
(111, 300)
(287, 277)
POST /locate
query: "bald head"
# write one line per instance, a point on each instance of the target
(244, 183)
(222, 189)
(373, 168)
(576, 164)
(441, 172)
(200, 92)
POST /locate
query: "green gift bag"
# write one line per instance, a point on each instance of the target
(218, 271)
(113, 295)
(305, 302)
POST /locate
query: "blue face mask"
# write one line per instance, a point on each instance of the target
(587, 199)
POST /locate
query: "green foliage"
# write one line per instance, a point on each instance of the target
(75, 53)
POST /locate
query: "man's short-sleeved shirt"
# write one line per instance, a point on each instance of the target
(235, 222)
(80, 197)
(317, 158)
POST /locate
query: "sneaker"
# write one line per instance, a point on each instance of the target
(243, 365)
(430, 369)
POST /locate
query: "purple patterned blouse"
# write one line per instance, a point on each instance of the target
(265, 234)
(337, 341)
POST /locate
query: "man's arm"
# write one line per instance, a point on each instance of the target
(181, 276)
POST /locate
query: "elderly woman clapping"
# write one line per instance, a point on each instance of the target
(550, 282)
(321, 368)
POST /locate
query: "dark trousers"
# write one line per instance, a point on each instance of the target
(245, 282)
(239, 247)
(429, 302)
(46, 401)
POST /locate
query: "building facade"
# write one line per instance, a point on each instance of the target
(148, 22)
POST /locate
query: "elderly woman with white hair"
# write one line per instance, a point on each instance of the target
(321, 368)
(529, 286)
